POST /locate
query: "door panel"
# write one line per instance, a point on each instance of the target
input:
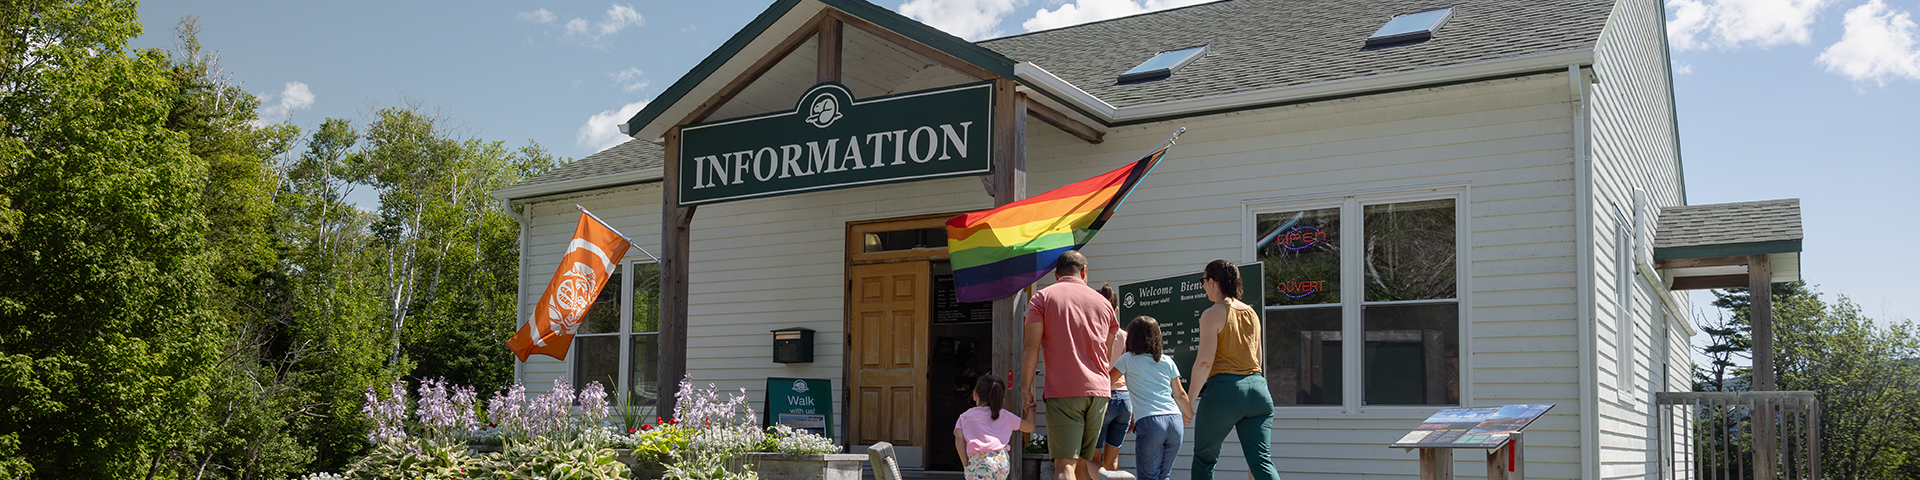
(890, 311)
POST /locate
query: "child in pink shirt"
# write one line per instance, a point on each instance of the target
(985, 432)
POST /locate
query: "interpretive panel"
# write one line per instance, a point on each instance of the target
(1472, 427)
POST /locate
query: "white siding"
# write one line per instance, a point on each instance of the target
(1508, 140)
(1633, 147)
(633, 210)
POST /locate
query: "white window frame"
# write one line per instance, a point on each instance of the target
(616, 394)
(1353, 286)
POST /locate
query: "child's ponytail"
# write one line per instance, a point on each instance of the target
(992, 392)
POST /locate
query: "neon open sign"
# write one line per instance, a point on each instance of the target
(1301, 288)
(1302, 237)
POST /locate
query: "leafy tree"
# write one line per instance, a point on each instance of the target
(103, 336)
(1867, 377)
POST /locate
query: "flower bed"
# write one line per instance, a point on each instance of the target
(566, 434)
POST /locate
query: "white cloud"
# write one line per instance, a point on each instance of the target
(968, 19)
(1878, 44)
(602, 130)
(538, 16)
(619, 17)
(1707, 24)
(1682, 69)
(630, 79)
(1084, 11)
(294, 96)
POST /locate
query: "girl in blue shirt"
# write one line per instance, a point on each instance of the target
(1157, 395)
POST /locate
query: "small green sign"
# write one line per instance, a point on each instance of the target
(832, 141)
(801, 403)
(1176, 302)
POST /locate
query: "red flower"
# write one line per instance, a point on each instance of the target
(630, 431)
(644, 427)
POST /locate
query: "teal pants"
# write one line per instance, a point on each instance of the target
(1234, 402)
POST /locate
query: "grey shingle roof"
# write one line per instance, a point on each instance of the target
(1730, 223)
(1263, 44)
(635, 155)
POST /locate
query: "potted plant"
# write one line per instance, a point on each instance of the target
(1035, 464)
(797, 454)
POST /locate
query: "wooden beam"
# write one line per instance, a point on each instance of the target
(753, 72)
(1009, 185)
(932, 53)
(1712, 281)
(829, 55)
(1760, 286)
(1065, 123)
(1702, 262)
(675, 229)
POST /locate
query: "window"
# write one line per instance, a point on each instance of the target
(1164, 64)
(1385, 272)
(1410, 27)
(618, 343)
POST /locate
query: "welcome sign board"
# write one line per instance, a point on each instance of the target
(1176, 302)
(831, 141)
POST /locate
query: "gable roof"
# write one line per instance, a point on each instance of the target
(1256, 45)
(1261, 53)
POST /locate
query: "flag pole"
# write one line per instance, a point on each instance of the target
(623, 236)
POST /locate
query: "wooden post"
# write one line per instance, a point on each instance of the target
(829, 54)
(1010, 185)
(1760, 314)
(1506, 462)
(1436, 463)
(675, 229)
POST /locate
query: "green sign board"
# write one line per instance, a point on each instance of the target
(801, 403)
(832, 141)
(1176, 302)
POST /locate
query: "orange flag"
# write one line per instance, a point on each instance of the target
(588, 263)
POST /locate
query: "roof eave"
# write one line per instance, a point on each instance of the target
(649, 123)
(578, 184)
(1109, 115)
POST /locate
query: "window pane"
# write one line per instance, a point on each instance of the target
(1410, 251)
(904, 240)
(646, 297)
(1302, 255)
(597, 359)
(1303, 355)
(646, 370)
(604, 317)
(1412, 355)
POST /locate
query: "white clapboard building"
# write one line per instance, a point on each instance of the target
(1482, 178)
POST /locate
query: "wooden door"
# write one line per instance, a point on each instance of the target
(890, 312)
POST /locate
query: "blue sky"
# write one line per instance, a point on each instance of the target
(1810, 99)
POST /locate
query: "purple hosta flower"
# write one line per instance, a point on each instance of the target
(464, 401)
(562, 394)
(436, 409)
(593, 403)
(389, 415)
(508, 409)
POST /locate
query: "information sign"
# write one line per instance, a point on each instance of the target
(801, 403)
(1472, 427)
(830, 140)
(1176, 302)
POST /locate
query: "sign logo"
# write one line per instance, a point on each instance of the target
(1128, 302)
(826, 109)
(570, 301)
(799, 386)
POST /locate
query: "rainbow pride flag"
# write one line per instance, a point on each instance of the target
(998, 252)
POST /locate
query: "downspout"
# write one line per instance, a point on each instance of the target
(1583, 238)
(520, 275)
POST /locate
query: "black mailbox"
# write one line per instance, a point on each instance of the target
(793, 345)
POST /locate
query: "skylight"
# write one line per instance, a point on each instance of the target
(1410, 27)
(1164, 64)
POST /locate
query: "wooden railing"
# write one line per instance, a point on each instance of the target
(1739, 435)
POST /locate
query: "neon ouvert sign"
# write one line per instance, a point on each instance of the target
(1300, 288)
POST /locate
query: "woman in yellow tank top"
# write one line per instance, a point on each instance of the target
(1234, 393)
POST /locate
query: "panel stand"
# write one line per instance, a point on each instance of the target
(1508, 462)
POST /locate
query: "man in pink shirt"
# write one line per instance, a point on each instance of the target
(1071, 326)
